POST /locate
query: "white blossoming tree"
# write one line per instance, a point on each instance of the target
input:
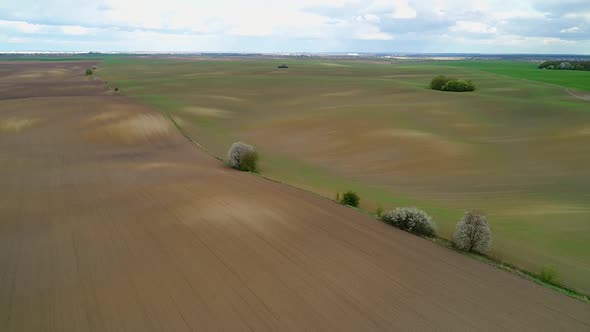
(412, 220)
(473, 233)
(242, 156)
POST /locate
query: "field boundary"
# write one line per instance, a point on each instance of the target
(443, 242)
(573, 94)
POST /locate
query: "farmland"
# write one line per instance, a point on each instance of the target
(517, 148)
(111, 220)
(528, 71)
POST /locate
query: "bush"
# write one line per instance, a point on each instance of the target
(379, 211)
(458, 86)
(243, 157)
(89, 72)
(473, 233)
(412, 220)
(350, 198)
(438, 82)
(549, 275)
(444, 83)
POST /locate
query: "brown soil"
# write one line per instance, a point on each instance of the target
(109, 220)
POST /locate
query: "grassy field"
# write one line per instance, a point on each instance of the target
(529, 71)
(517, 149)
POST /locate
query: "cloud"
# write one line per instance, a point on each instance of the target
(298, 25)
(370, 32)
(21, 26)
(472, 27)
(397, 9)
(369, 18)
(75, 30)
(570, 30)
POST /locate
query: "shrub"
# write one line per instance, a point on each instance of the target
(549, 275)
(89, 72)
(458, 86)
(379, 211)
(473, 233)
(243, 157)
(412, 220)
(438, 82)
(444, 83)
(350, 198)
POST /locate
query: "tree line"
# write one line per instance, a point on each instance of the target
(565, 65)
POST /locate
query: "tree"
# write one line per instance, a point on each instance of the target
(412, 220)
(243, 157)
(350, 198)
(458, 86)
(473, 233)
(438, 82)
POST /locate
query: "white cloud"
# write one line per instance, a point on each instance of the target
(75, 30)
(371, 32)
(472, 27)
(557, 41)
(581, 15)
(403, 10)
(368, 18)
(397, 9)
(22, 26)
(570, 30)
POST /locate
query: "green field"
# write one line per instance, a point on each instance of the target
(529, 71)
(517, 148)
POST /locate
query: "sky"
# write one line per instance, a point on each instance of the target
(393, 26)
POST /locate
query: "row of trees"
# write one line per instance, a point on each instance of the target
(472, 232)
(444, 83)
(565, 65)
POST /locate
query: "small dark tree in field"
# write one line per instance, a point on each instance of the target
(350, 198)
(473, 233)
(89, 72)
(243, 157)
(411, 219)
(438, 82)
(458, 86)
(444, 83)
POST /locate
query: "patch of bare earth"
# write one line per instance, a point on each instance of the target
(100, 235)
